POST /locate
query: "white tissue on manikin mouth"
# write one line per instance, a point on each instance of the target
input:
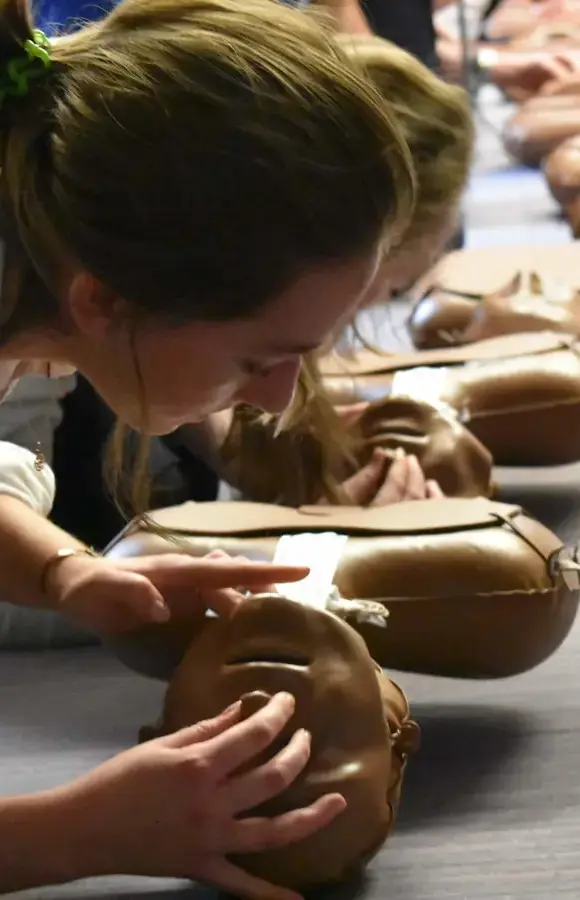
(321, 553)
(424, 383)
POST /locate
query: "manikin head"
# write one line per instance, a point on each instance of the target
(447, 452)
(271, 644)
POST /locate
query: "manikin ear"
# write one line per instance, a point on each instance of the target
(92, 307)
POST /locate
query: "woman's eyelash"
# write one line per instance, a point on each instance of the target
(255, 370)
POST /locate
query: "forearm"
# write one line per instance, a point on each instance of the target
(27, 541)
(348, 15)
(38, 842)
(502, 66)
(351, 19)
(452, 61)
(497, 65)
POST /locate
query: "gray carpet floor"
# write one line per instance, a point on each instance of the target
(491, 805)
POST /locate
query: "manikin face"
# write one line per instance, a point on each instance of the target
(446, 450)
(272, 644)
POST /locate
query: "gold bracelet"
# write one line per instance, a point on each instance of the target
(57, 558)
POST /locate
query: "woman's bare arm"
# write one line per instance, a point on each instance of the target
(348, 15)
(40, 842)
(27, 541)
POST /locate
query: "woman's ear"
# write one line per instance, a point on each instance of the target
(92, 307)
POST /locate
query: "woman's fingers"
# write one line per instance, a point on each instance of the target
(394, 485)
(222, 601)
(205, 730)
(264, 782)
(241, 743)
(187, 605)
(361, 487)
(229, 573)
(405, 480)
(415, 487)
(225, 875)
(255, 835)
(434, 492)
(176, 570)
(130, 601)
(269, 588)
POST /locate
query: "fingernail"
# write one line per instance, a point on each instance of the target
(304, 733)
(339, 801)
(400, 453)
(285, 698)
(160, 612)
(232, 707)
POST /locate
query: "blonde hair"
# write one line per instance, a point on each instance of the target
(435, 120)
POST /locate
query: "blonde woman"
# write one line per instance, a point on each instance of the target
(193, 194)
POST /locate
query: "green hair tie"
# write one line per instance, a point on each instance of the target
(21, 70)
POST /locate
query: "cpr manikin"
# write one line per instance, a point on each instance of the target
(519, 394)
(473, 588)
(527, 302)
(358, 719)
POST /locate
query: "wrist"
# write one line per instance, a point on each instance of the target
(60, 569)
(45, 842)
(488, 64)
(504, 68)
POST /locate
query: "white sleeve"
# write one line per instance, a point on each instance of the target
(19, 478)
(32, 411)
(29, 415)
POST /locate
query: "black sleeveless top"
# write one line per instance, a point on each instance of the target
(407, 23)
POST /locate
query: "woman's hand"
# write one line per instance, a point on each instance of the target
(174, 807)
(115, 596)
(524, 75)
(404, 480)
(387, 477)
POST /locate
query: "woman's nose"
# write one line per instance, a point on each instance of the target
(273, 392)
